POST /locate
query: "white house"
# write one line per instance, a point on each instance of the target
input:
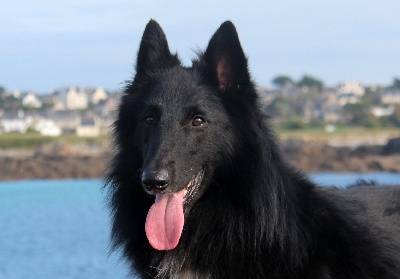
(17, 94)
(31, 101)
(67, 120)
(380, 111)
(77, 99)
(16, 122)
(58, 104)
(98, 95)
(47, 127)
(391, 97)
(88, 127)
(348, 98)
(351, 87)
(74, 98)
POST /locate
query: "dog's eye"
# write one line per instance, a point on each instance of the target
(198, 121)
(149, 120)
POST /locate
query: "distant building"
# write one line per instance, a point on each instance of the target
(16, 122)
(65, 119)
(332, 113)
(31, 100)
(74, 98)
(88, 127)
(348, 98)
(16, 94)
(267, 95)
(56, 100)
(380, 111)
(351, 87)
(98, 95)
(291, 90)
(47, 127)
(310, 111)
(391, 97)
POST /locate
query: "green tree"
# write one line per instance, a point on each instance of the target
(281, 107)
(360, 114)
(311, 82)
(280, 81)
(11, 103)
(371, 97)
(395, 117)
(396, 83)
(293, 124)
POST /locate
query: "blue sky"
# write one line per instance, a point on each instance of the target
(49, 44)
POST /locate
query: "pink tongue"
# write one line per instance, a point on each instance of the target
(164, 222)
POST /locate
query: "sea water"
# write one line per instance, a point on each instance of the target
(56, 229)
(60, 228)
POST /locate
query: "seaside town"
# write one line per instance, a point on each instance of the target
(308, 103)
(65, 133)
(88, 112)
(70, 110)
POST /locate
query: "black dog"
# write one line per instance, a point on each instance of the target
(198, 188)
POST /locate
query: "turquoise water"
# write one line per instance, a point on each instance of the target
(60, 228)
(55, 229)
(345, 179)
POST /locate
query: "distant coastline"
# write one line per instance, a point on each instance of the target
(58, 160)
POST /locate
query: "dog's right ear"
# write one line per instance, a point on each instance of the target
(224, 58)
(154, 54)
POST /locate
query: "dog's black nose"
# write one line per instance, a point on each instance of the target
(156, 181)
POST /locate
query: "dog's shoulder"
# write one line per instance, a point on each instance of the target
(368, 202)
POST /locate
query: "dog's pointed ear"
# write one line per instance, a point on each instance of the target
(154, 54)
(224, 57)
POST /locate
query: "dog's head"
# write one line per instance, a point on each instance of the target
(176, 123)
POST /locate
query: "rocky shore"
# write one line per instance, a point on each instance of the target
(59, 162)
(321, 157)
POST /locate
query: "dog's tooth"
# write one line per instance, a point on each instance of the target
(185, 193)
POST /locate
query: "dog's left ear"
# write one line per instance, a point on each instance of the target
(224, 57)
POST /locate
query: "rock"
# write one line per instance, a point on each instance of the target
(61, 161)
(392, 146)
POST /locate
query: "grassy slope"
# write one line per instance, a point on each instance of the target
(342, 132)
(34, 140)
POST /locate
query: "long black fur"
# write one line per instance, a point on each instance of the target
(254, 216)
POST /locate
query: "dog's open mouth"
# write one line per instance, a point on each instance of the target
(165, 219)
(192, 188)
